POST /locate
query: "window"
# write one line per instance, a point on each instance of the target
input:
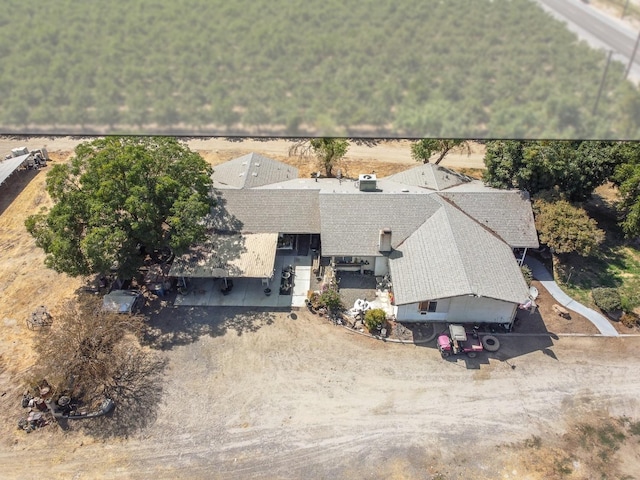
(425, 307)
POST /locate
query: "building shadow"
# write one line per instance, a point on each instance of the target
(14, 185)
(512, 346)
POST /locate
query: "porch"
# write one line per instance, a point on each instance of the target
(250, 292)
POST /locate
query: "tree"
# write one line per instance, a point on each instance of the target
(329, 151)
(119, 194)
(90, 354)
(627, 178)
(422, 150)
(575, 168)
(566, 228)
(330, 298)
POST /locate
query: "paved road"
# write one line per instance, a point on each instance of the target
(597, 28)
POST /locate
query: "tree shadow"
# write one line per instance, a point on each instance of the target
(591, 272)
(167, 328)
(136, 395)
(215, 256)
(367, 142)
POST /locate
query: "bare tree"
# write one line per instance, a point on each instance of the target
(89, 354)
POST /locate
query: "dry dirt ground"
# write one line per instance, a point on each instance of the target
(287, 395)
(290, 396)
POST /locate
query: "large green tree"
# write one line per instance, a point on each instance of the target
(627, 178)
(119, 194)
(422, 150)
(574, 168)
(565, 227)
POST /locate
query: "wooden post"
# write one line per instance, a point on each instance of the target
(604, 77)
(633, 56)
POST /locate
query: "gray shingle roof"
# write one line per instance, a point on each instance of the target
(452, 255)
(270, 210)
(507, 213)
(431, 176)
(252, 170)
(351, 222)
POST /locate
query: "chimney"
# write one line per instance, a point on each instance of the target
(384, 244)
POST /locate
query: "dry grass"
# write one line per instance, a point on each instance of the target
(350, 168)
(593, 448)
(25, 283)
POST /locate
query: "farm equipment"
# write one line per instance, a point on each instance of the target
(33, 159)
(459, 341)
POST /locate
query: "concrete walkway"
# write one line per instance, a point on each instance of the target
(541, 274)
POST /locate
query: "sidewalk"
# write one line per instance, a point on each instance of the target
(541, 274)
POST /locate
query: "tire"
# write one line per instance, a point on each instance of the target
(490, 343)
(444, 354)
(471, 354)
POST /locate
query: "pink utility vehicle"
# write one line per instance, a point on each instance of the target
(458, 341)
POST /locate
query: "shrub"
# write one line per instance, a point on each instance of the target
(314, 299)
(330, 298)
(374, 319)
(527, 274)
(629, 320)
(607, 299)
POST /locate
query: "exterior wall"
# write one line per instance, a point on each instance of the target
(354, 264)
(410, 312)
(464, 309)
(381, 266)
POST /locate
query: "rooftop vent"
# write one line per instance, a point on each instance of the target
(368, 182)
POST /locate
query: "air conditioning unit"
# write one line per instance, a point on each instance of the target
(368, 182)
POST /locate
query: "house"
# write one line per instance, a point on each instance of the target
(452, 246)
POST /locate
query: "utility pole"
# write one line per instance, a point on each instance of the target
(633, 56)
(624, 10)
(604, 77)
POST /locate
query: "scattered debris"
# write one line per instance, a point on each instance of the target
(39, 318)
(561, 311)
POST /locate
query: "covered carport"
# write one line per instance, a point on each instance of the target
(232, 270)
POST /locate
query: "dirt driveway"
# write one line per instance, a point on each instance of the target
(290, 396)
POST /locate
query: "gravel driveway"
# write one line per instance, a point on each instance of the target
(291, 396)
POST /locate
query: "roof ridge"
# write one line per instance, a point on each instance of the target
(457, 247)
(486, 228)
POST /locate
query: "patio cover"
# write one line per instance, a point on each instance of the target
(229, 255)
(7, 167)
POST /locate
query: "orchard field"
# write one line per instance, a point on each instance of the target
(481, 69)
